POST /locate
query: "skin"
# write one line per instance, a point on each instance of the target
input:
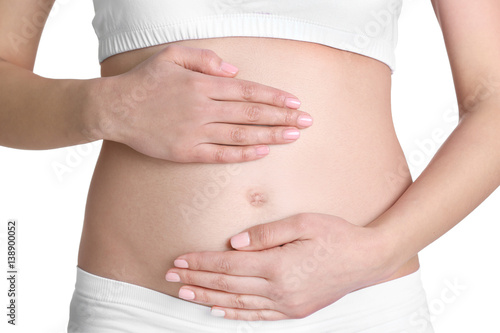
(141, 207)
(431, 206)
(300, 234)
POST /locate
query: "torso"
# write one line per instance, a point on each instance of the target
(142, 212)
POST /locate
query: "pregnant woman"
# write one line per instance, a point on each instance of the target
(196, 151)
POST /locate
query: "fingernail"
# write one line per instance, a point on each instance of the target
(304, 120)
(292, 103)
(186, 294)
(228, 68)
(291, 134)
(217, 313)
(262, 150)
(181, 263)
(240, 240)
(172, 277)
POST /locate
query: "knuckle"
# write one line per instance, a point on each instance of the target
(246, 154)
(237, 315)
(248, 90)
(188, 279)
(219, 154)
(208, 57)
(237, 134)
(262, 303)
(253, 113)
(259, 315)
(223, 265)
(277, 135)
(220, 283)
(278, 99)
(288, 116)
(202, 296)
(265, 234)
(239, 302)
(171, 52)
(274, 134)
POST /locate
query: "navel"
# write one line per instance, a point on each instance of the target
(256, 198)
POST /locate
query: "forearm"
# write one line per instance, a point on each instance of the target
(41, 113)
(464, 172)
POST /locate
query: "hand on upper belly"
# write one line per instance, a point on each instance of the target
(290, 269)
(180, 105)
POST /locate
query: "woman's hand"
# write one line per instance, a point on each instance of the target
(184, 105)
(289, 269)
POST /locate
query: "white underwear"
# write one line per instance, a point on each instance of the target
(101, 305)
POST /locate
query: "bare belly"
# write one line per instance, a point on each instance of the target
(142, 212)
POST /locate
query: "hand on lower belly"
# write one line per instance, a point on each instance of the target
(285, 269)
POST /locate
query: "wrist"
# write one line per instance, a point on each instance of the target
(389, 246)
(95, 111)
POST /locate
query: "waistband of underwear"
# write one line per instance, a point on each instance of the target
(401, 294)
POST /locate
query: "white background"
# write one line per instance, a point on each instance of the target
(50, 210)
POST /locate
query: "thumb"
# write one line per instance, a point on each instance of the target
(269, 235)
(200, 60)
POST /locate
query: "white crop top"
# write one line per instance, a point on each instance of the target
(367, 27)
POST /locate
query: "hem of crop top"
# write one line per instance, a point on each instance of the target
(246, 25)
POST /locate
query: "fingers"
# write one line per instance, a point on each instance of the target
(229, 143)
(227, 262)
(208, 62)
(223, 299)
(233, 306)
(239, 301)
(200, 60)
(272, 234)
(249, 315)
(213, 153)
(226, 134)
(217, 281)
(257, 114)
(230, 89)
